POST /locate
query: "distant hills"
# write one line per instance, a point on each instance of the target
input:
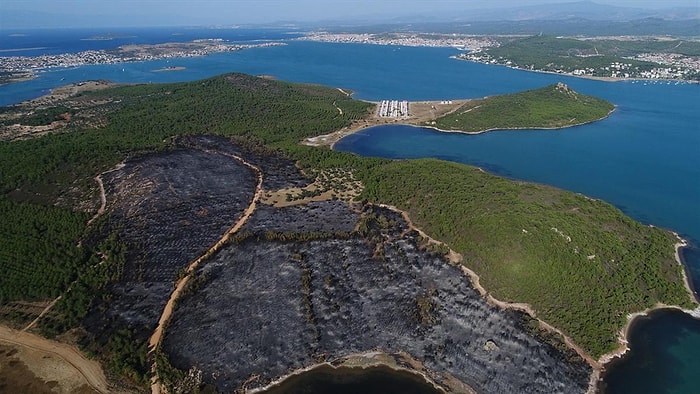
(564, 27)
(511, 20)
(575, 10)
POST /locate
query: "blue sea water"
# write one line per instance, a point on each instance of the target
(664, 335)
(643, 158)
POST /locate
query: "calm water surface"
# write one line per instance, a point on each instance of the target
(373, 380)
(645, 158)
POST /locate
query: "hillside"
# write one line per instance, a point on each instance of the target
(646, 58)
(553, 106)
(198, 157)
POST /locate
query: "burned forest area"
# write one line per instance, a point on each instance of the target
(296, 286)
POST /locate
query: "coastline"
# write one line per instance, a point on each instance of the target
(90, 370)
(591, 77)
(683, 243)
(362, 362)
(623, 336)
(598, 366)
(331, 139)
(516, 128)
(624, 332)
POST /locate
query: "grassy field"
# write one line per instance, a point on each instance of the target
(553, 106)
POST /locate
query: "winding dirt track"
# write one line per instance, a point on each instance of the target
(103, 197)
(157, 335)
(89, 369)
(45, 311)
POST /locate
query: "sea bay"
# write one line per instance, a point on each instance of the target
(643, 158)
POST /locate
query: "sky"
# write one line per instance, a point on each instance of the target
(268, 11)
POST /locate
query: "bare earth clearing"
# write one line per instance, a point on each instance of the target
(36, 364)
(420, 112)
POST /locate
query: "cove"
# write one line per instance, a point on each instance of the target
(345, 380)
(659, 360)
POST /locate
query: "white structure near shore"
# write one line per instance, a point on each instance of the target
(393, 109)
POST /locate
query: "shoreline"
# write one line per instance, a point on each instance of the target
(623, 335)
(600, 365)
(591, 77)
(516, 128)
(90, 370)
(331, 139)
(364, 361)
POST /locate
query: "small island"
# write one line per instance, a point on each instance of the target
(170, 68)
(15, 76)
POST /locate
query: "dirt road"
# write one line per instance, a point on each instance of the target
(157, 335)
(89, 369)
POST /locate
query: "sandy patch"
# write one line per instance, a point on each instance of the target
(41, 363)
(420, 112)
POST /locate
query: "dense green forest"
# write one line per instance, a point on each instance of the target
(549, 107)
(581, 263)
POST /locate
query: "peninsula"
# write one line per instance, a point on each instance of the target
(609, 58)
(305, 255)
(551, 107)
(17, 68)
(612, 58)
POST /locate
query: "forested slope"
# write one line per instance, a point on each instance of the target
(581, 263)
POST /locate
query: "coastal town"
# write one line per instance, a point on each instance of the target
(657, 65)
(129, 53)
(654, 65)
(461, 41)
(667, 67)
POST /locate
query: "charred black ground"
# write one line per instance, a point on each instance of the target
(266, 308)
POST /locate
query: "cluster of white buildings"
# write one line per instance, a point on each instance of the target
(675, 66)
(131, 53)
(406, 39)
(393, 109)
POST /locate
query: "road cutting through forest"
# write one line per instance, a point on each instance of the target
(157, 335)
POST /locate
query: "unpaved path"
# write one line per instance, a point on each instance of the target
(89, 369)
(157, 335)
(48, 308)
(103, 197)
